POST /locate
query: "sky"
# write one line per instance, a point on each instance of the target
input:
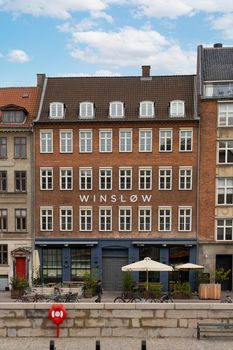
(107, 37)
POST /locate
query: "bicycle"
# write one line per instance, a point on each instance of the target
(124, 299)
(165, 298)
(227, 299)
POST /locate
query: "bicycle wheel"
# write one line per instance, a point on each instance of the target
(119, 300)
(136, 300)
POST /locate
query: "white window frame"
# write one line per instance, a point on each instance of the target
(123, 140)
(167, 175)
(143, 145)
(145, 176)
(178, 106)
(224, 115)
(46, 176)
(46, 140)
(185, 138)
(86, 216)
(56, 110)
(105, 179)
(224, 227)
(166, 138)
(226, 189)
(226, 149)
(165, 216)
(85, 179)
(105, 216)
(144, 216)
(47, 216)
(186, 168)
(83, 138)
(105, 140)
(116, 109)
(125, 217)
(146, 105)
(66, 217)
(186, 217)
(126, 176)
(66, 179)
(23, 215)
(84, 108)
(68, 141)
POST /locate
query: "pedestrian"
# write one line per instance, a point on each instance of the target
(99, 291)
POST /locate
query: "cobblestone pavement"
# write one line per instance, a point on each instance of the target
(116, 344)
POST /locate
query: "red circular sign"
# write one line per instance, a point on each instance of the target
(57, 313)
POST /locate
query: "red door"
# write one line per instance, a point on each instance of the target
(20, 267)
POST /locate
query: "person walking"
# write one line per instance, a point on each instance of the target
(99, 291)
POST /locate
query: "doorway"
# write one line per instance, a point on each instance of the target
(225, 262)
(20, 267)
(113, 260)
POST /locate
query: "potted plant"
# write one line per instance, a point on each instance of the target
(18, 286)
(89, 285)
(213, 290)
(182, 290)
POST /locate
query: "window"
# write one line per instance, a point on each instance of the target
(13, 117)
(225, 151)
(46, 141)
(185, 219)
(56, 110)
(144, 218)
(66, 141)
(186, 140)
(185, 178)
(225, 229)
(51, 265)
(177, 109)
(66, 218)
(145, 140)
(3, 181)
(85, 178)
(80, 263)
(85, 219)
(20, 219)
(20, 181)
(165, 178)
(116, 109)
(145, 179)
(20, 147)
(3, 254)
(46, 219)
(3, 220)
(86, 110)
(105, 140)
(125, 140)
(146, 109)
(46, 178)
(105, 219)
(105, 179)
(165, 219)
(165, 140)
(85, 141)
(66, 178)
(225, 114)
(3, 147)
(125, 219)
(225, 190)
(125, 179)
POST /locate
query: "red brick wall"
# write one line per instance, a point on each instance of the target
(115, 159)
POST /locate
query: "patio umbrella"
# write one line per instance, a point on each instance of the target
(36, 264)
(188, 266)
(147, 265)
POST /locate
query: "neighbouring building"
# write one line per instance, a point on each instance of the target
(115, 175)
(17, 110)
(215, 86)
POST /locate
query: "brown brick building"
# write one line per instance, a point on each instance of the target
(115, 174)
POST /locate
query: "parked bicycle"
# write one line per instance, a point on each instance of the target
(165, 298)
(125, 299)
(30, 296)
(227, 299)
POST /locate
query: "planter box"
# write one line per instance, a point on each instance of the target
(180, 295)
(210, 291)
(16, 293)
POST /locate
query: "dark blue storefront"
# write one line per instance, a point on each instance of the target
(68, 259)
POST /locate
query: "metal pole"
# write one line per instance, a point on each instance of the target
(143, 347)
(52, 345)
(97, 345)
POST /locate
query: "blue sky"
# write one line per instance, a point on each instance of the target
(107, 37)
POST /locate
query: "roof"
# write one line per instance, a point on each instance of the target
(130, 90)
(217, 63)
(23, 97)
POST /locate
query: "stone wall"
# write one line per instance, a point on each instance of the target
(146, 320)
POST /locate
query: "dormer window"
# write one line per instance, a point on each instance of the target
(12, 114)
(86, 110)
(116, 109)
(56, 110)
(177, 108)
(147, 109)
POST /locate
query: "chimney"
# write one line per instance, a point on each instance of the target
(218, 46)
(145, 71)
(40, 79)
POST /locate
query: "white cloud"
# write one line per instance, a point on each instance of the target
(132, 47)
(225, 24)
(98, 73)
(18, 56)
